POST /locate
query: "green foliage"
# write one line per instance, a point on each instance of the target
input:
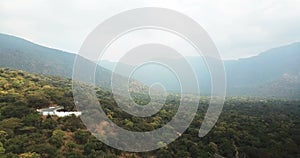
(10, 125)
(29, 155)
(57, 138)
(81, 136)
(2, 149)
(249, 127)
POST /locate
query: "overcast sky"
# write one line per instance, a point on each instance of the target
(239, 28)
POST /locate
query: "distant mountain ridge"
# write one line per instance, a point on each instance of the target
(267, 66)
(275, 72)
(262, 75)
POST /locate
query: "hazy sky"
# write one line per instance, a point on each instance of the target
(239, 28)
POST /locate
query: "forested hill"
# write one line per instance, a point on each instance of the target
(24, 55)
(247, 127)
(17, 53)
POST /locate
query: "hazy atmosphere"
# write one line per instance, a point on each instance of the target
(149, 78)
(238, 28)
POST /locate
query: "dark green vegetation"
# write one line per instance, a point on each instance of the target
(247, 127)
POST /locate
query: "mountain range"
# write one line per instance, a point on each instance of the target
(275, 72)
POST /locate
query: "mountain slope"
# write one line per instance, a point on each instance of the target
(266, 74)
(17, 53)
(262, 75)
(21, 54)
(261, 127)
(267, 66)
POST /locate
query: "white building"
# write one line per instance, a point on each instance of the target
(54, 111)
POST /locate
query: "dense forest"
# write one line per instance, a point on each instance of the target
(247, 127)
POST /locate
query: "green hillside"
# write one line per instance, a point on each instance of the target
(248, 127)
